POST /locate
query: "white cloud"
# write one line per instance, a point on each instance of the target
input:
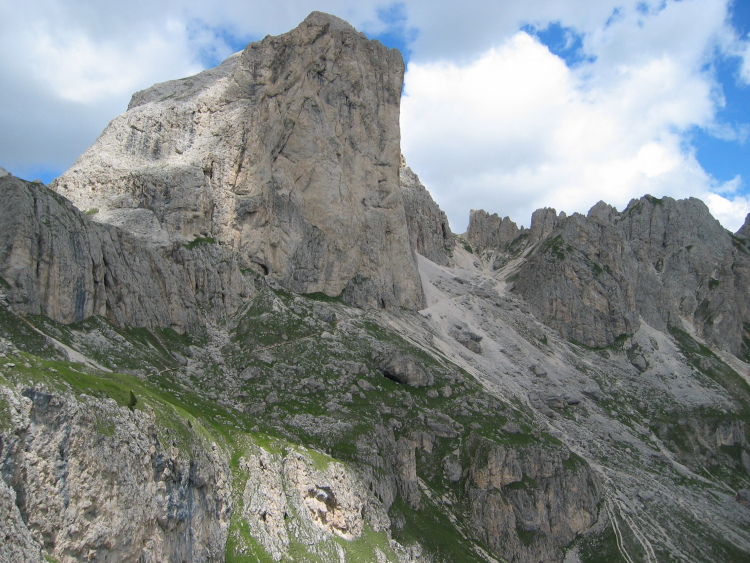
(516, 129)
(730, 212)
(80, 69)
(491, 118)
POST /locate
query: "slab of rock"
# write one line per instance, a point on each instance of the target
(403, 369)
(287, 153)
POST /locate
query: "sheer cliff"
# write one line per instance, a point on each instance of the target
(595, 278)
(288, 154)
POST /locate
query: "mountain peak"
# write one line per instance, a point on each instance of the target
(287, 153)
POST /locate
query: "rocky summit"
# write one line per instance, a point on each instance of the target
(240, 329)
(288, 154)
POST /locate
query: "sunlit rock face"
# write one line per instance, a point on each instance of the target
(594, 278)
(288, 153)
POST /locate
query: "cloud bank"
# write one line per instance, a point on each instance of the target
(508, 106)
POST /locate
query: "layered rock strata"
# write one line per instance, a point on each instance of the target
(55, 261)
(595, 277)
(94, 481)
(288, 154)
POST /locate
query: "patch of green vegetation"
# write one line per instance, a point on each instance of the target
(242, 547)
(92, 211)
(132, 401)
(618, 345)
(323, 297)
(128, 348)
(5, 422)
(197, 241)
(4, 284)
(734, 451)
(468, 248)
(654, 200)
(518, 244)
(637, 208)
(527, 537)
(600, 548)
(105, 427)
(705, 543)
(363, 548)
(512, 278)
(703, 312)
(525, 484)
(431, 528)
(554, 246)
(302, 552)
(740, 244)
(574, 462)
(21, 332)
(713, 284)
(705, 361)
(179, 427)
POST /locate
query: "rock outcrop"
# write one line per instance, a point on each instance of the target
(94, 481)
(490, 231)
(57, 262)
(327, 501)
(429, 232)
(595, 277)
(745, 228)
(508, 486)
(288, 154)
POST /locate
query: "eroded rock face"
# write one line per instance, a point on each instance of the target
(57, 262)
(595, 277)
(429, 231)
(290, 498)
(490, 231)
(509, 486)
(287, 153)
(93, 481)
(745, 229)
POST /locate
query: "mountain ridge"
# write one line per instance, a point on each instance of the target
(577, 391)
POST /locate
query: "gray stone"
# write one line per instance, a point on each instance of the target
(287, 154)
(406, 370)
(365, 385)
(429, 232)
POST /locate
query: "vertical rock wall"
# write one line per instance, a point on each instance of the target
(288, 154)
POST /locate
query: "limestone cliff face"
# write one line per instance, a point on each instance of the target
(745, 229)
(288, 154)
(429, 232)
(508, 486)
(666, 262)
(94, 481)
(57, 262)
(329, 501)
(490, 231)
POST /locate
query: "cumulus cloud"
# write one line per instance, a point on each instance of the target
(517, 128)
(491, 118)
(70, 66)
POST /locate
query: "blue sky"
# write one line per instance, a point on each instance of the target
(507, 106)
